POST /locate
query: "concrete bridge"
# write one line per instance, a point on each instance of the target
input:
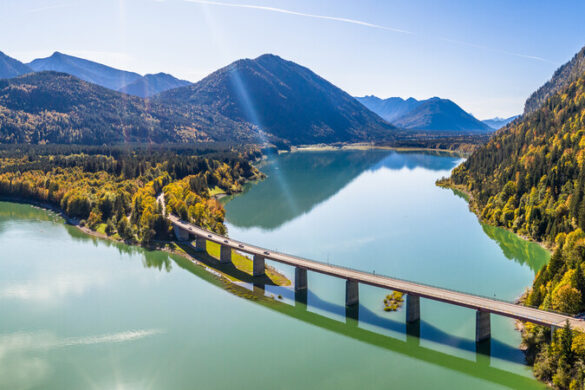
(185, 231)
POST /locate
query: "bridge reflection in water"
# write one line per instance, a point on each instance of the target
(350, 321)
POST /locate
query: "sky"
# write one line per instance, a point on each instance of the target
(487, 56)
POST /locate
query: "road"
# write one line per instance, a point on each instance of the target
(471, 301)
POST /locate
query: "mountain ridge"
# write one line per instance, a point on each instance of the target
(562, 77)
(153, 84)
(90, 71)
(434, 114)
(11, 67)
(283, 99)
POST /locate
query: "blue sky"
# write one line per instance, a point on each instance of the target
(487, 56)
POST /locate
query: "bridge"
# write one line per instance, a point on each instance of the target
(484, 306)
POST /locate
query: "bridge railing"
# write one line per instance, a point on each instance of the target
(493, 298)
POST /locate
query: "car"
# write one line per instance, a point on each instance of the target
(191, 228)
(266, 252)
(240, 245)
(226, 241)
(209, 235)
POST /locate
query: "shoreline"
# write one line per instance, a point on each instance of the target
(364, 146)
(169, 247)
(473, 208)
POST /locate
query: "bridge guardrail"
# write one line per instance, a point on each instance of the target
(374, 274)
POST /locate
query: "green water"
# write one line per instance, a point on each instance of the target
(77, 312)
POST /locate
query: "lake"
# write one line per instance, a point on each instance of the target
(80, 312)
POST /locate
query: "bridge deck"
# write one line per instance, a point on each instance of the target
(435, 293)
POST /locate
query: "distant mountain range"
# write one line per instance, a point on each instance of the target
(283, 99)
(86, 70)
(10, 67)
(433, 114)
(119, 80)
(497, 123)
(389, 109)
(267, 99)
(563, 76)
(152, 84)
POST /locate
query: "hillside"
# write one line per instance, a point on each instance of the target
(560, 79)
(530, 178)
(497, 123)
(438, 114)
(389, 109)
(152, 84)
(51, 107)
(285, 100)
(9, 67)
(86, 70)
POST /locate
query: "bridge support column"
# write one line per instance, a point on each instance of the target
(482, 326)
(553, 329)
(225, 254)
(200, 244)
(300, 279)
(352, 292)
(181, 234)
(412, 308)
(259, 266)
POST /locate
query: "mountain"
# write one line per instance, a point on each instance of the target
(152, 84)
(433, 114)
(51, 107)
(89, 71)
(560, 79)
(283, 99)
(9, 67)
(437, 114)
(530, 178)
(389, 109)
(497, 123)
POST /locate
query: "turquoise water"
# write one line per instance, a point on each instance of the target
(78, 312)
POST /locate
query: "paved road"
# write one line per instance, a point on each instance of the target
(438, 294)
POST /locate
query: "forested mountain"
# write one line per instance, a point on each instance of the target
(51, 107)
(89, 71)
(530, 178)
(438, 114)
(284, 100)
(560, 79)
(433, 114)
(497, 123)
(151, 84)
(9, 67)
(389, 109)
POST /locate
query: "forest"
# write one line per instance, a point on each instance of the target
(113, 190)
(530, 178)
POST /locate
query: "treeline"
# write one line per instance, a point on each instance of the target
(113, 190)
(530, 178)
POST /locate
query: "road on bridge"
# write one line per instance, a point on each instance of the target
(471, 301)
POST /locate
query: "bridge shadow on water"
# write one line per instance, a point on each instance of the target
(301, 306)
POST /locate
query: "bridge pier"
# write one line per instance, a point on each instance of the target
(352, 292)
(181, 234)
(259, 266)
(300, 279)
(200, 244)
(412, 308)
(225, 254)
(482, 326)
(553, 329)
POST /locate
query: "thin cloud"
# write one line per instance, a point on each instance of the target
(303, 14)
(362, 23)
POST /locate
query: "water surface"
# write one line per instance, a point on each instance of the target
(77, 312)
